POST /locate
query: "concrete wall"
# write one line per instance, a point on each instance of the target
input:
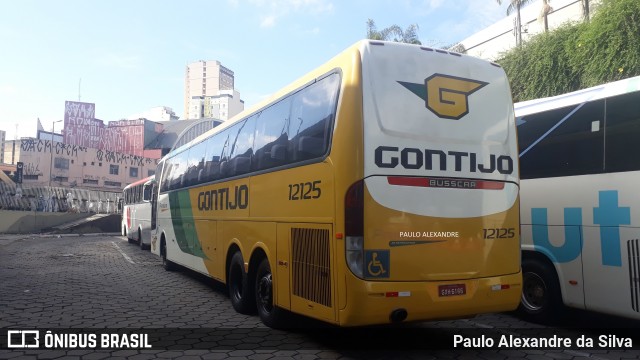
(29, 222)
(492, 42)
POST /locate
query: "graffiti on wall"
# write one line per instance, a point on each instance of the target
(119, 158)
(45, 146)
(83, 129)
(32, 168)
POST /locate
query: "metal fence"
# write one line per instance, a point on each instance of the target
(58, 199)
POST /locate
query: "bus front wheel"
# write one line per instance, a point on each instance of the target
(240, 291)
(541, 299)
(141, 243)
(166, 264)
(269, 313)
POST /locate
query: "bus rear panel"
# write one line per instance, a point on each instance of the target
(432, 231)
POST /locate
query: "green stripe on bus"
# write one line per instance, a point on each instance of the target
(183, 223)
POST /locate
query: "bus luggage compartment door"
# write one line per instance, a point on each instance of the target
(310, 270)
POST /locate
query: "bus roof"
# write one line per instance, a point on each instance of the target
(143, 181)
(310, 76)
(619, 87)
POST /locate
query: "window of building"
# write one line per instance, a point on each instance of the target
(112, 183)
(133, 172)
(90, 181)
(61, 179)
(30, 177)
(61, 163)
(113, 169)
(151, 172)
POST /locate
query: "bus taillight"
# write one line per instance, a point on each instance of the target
(354, 228)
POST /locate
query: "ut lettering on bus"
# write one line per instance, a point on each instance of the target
(609, 215)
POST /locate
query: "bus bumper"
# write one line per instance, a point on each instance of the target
(377, 302)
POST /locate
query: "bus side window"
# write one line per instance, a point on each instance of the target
(272, 139)
(242, 148)
(312, 114)
(195, 161)
(215, 147)
(574, 147)
(622, 132)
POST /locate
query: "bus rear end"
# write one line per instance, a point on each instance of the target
(432, 231)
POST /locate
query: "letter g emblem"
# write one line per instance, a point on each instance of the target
(445, 95)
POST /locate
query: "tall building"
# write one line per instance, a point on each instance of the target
(209, 90)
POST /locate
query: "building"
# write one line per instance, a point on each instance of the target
(209, 91)
(158, 113)
(56, 164)
(81, 128)
(500, 37)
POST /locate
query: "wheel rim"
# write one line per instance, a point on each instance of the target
(534, 292)
(265, 294)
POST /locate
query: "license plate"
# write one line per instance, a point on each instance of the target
(452, 290)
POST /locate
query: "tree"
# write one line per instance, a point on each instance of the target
(394, 33)
(544, 12)
(585, 10)
(516, 5)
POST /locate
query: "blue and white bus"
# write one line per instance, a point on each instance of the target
(580, 201)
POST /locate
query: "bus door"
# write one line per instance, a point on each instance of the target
(154, 205)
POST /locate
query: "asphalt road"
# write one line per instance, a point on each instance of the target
(102, 284)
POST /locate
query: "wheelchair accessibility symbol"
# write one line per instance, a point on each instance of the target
(377, 263)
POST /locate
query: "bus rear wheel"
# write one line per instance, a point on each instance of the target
(541, 300)
(240, 291)
(269, 313)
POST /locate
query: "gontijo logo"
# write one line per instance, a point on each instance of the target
(445, 95)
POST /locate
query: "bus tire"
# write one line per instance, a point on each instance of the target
(240, 289)
(140, 242)
(541, 299)
(168, 265)
(271, 315)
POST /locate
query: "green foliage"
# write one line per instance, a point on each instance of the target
(578, 56)
(394, 33)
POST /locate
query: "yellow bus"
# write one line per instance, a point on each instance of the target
(381, 187)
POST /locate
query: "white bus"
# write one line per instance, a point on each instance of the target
(381, 187)
(580, 201)
(136, 211)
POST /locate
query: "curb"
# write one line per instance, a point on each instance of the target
(32, 236)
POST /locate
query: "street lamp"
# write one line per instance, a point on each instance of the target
(53, 133)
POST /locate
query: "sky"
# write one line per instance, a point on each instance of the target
(128, 56)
